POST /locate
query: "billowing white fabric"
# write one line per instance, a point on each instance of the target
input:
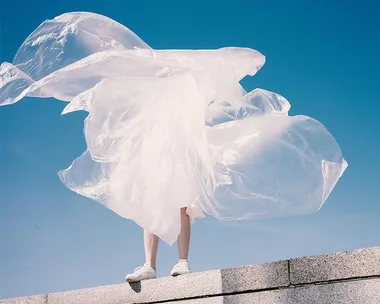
(173, 128)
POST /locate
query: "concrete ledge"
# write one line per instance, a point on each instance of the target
(40, 299)
(352, 292)
(353, 276)
(209, 283)
(335, 266)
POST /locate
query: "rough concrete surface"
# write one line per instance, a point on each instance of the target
(255, 277)
(352, 292)
(333, 266)
(351, 277)
(39, 299)
(147, 291)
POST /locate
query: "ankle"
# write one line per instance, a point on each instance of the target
(153, 266)
(182, 261)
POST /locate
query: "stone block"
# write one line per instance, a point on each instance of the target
(39, 299)
(335, 266)
(350, 292)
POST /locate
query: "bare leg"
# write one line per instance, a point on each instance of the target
(151, 246)
(183, 240)
(146, 272)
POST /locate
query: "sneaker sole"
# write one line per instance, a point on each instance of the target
(176, 274)
(130, 280)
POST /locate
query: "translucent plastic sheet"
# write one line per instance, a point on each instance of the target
(168, 129)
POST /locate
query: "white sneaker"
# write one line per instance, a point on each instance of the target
(180, 268)
(141, 273)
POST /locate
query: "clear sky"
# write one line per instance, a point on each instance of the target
(323, 56)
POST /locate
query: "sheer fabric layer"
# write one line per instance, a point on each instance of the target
(168, 129)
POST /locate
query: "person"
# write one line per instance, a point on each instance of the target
(148, 270)
(172, 135)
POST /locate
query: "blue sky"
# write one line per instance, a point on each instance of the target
(321, 55)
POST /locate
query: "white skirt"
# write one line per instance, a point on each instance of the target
(171, 129)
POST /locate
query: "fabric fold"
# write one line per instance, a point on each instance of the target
(171, 129)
